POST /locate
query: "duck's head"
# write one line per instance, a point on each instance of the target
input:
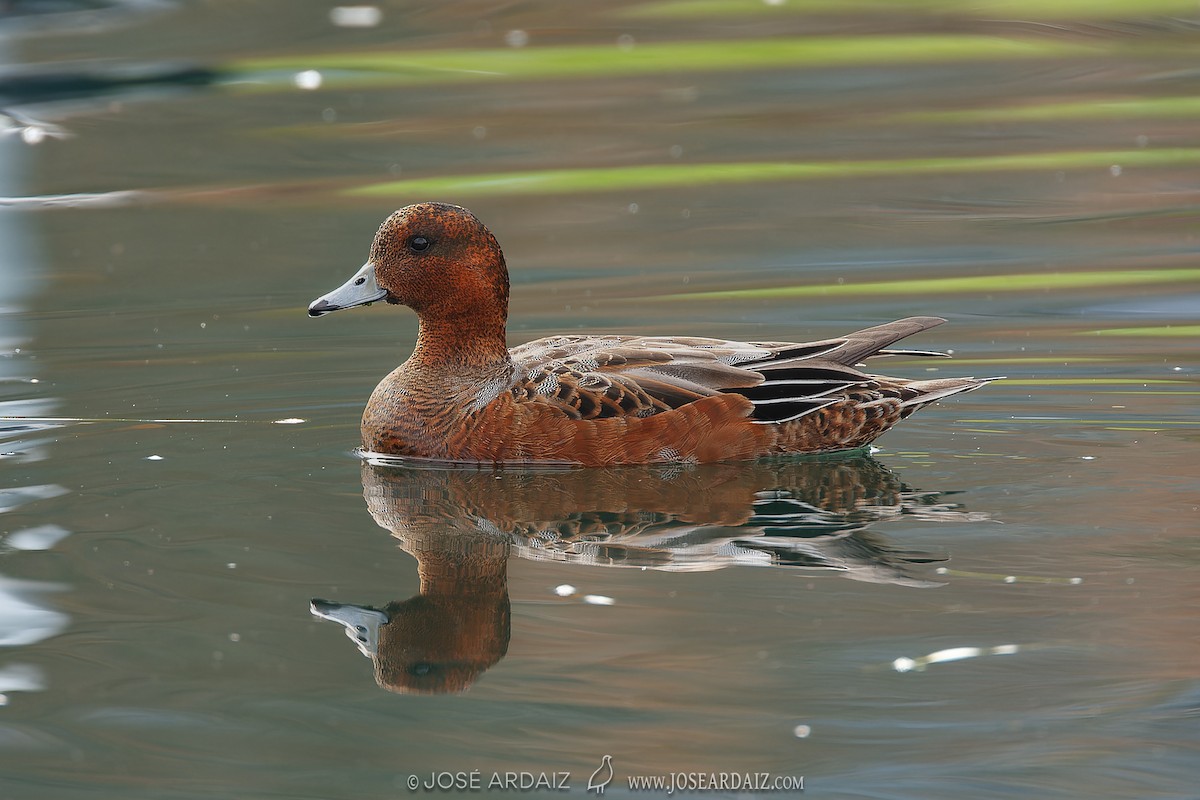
(428, 644)
(437, 259)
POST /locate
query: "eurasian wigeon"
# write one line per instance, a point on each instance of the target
(597, 400)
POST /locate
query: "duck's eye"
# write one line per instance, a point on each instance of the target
(419, 669)
(418, 244)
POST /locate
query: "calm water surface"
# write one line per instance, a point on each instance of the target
(1000, 602)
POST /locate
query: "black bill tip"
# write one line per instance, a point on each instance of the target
(320, 307)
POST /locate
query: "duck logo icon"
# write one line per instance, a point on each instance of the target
(602, 776)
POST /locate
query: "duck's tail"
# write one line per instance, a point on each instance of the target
(931, 391)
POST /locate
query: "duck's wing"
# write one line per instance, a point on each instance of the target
(600, 377)
(797, 383)
(597, 377)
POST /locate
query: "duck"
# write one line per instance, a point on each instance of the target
(597, 400)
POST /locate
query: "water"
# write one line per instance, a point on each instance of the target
(998, 603)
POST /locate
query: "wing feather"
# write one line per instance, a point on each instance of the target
(603, 376)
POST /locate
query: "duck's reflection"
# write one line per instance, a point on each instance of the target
(462, 524)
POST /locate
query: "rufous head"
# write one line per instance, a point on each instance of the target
(437, 259)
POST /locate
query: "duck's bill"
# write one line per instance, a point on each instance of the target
(360, 290)
(362, 623)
